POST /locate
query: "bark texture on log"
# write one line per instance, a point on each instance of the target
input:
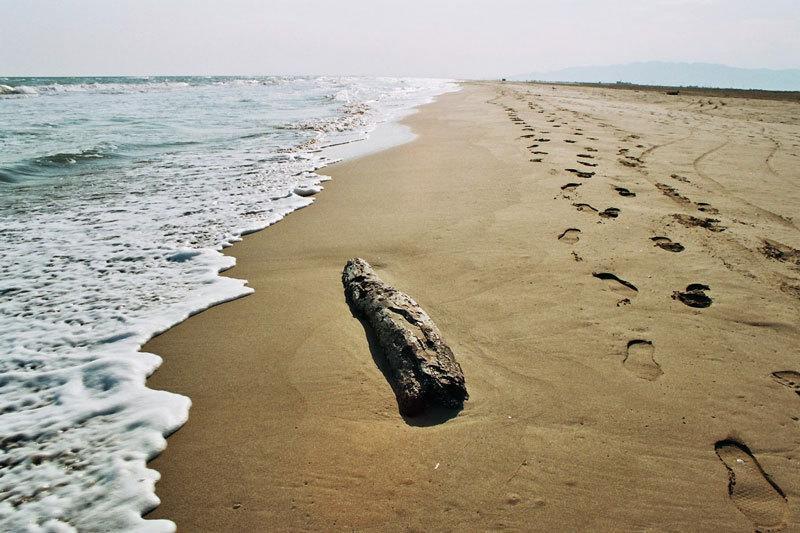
(422, 367)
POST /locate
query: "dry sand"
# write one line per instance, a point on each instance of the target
(593, 406)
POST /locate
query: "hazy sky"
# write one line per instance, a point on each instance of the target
(442, 38)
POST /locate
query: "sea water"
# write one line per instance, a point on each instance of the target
(116, 197)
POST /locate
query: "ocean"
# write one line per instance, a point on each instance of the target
(117, 196)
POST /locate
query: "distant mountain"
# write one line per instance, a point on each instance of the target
(676, 74)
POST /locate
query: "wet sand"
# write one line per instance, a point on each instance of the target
(599, 400)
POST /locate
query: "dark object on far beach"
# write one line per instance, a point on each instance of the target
(673, 93)
(422, 369)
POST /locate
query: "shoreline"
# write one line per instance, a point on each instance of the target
(391, 133)
(293, 426)
(385, 136)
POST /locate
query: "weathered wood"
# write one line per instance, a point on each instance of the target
(422, 367)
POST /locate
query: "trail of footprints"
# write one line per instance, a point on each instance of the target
(750, 488)
(694, 295)
(586, 158)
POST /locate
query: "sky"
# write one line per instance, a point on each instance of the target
(432, 38)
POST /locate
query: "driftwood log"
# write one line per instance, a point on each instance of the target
(422, 367)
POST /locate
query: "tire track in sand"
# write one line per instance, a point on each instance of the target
(705, 176)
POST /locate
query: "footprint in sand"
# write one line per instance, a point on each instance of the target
(706, 208)
(570, 236)
(694, 296)
(631, 161)
(584, 163)
(616, 284)
(536, 160)
(672, 193)
(569, 187)
(711, 224)
(585, 208)
(610, 212)
(665, 243)
(570, 141)
(622, 191)
(640, 362)
(585, 156)
(788, 378)
(751, 489)
(580, 173)
(779, 251)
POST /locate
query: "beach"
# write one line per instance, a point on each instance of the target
(616, 382)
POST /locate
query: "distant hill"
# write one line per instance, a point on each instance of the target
(676, 74)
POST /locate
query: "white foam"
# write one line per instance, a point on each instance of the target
(97, 266)
(20, 89)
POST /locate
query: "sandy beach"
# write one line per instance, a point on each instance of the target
(618, 275)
